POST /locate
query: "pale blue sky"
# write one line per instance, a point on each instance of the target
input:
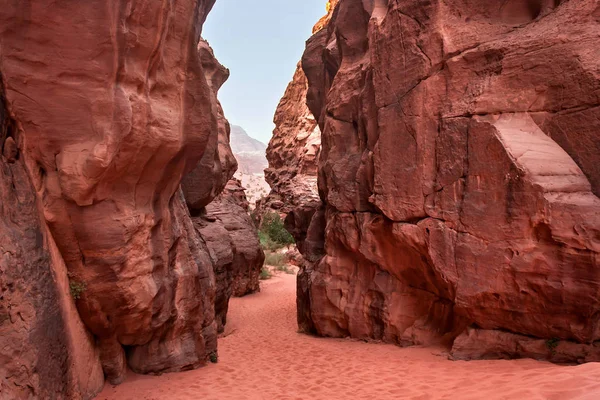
(260, 42)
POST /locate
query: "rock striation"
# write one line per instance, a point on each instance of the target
(102, 264)
(459, 177)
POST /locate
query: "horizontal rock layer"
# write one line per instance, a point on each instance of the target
(459, 176)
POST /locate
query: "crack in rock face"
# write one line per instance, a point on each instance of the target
(459, 177)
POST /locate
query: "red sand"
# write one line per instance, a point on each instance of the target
(263, 357)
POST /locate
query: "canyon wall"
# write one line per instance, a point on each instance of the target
(218, 205)
(459, 177)
(293, 155)
(106, 107)
(45, 351)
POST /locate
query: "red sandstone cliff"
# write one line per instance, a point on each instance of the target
(219, 207)
(459, 175)
(293, 154)
(106, 107)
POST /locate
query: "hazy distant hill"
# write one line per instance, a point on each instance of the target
(242, 143)
(252, 161)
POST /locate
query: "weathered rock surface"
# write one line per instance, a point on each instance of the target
(45, 350)
(106, 132)
(232, 240)
(218, 164)
(293, 154)
(227, 236)
(459, 173)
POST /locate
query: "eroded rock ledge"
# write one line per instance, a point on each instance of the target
(459, 177)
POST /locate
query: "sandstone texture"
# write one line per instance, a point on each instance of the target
(110, 104)
(232, 241)
(459, 177)
(293, 153)
(217, 203)
(218, 164)
(45, 351)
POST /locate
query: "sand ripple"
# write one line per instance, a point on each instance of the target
(263, 357)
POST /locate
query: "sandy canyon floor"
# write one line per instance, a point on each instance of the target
(263, 357)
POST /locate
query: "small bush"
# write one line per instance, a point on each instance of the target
(213, 357)
(265, 274)
(266, 243)
(275, 259)
(76, 289)
(272, 226)
(286, 269)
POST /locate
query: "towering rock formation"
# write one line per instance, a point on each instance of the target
(45, 351)
(106, 106)
(459, 175)
(221, 220)
(218, 164)
(293, 154)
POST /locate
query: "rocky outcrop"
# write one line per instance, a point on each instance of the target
(218, 164)
(232, 240)
(459, 177)
(104, 133)
(227, 236)
(293, 153)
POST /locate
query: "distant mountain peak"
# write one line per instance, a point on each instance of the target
(249, 152)
(241, 142)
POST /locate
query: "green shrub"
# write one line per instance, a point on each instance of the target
(265, 274)
(286, 269)
(213, 357)
(266, 243)
(272, 226)
(275, 259)
(76, 289)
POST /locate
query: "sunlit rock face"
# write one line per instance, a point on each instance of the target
(459, 175)
(112, 105)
